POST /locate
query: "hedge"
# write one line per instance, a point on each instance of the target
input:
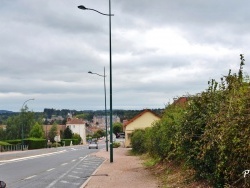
(210, 134)
(35, 143)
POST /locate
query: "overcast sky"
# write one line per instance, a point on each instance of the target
(161, 49)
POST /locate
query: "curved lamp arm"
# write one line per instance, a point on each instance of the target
(84, 8)
(26, 102)
(96, 74)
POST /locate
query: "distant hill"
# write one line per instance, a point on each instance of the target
(5, 112)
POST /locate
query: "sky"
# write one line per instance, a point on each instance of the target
(161, 50)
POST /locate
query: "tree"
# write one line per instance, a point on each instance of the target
(13, 128)
(2, 134)
(117, 128)
(53, 132)
(67, 134)
(101, 132)
(36, 131)
(78, 137)
(25, 120)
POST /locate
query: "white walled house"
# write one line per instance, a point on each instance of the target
(77, 126)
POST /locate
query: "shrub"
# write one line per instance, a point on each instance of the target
(216, 131)
(3, 143)
(138, 141)
(35, 143)
(55, 145)
(116, 144)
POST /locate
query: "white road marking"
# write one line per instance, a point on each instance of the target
(64, 164)
(51, 169)
(75, 172)
(31, 157)
(66, 182)
(62, 176)
(77, 177)
(30, 177)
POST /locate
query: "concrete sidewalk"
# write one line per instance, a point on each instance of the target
(125, 172)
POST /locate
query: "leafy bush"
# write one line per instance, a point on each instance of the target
(138, 141)
(116, 144)
(210, 134)
(35, 143)
(216, 131)
(164, 137)
(14, 142)
(55, 144)
(68, 141)
(2, 143)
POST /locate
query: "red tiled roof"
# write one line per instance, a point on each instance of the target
(139, 115)
(75, 121)
(181, 100)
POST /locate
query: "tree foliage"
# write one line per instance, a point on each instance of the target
(210, 134)
(67, 134)
(25, 120)
(117, 128)
(37, 131)
(53, 132)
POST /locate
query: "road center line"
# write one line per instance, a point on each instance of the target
(30, 177)
(51, 169)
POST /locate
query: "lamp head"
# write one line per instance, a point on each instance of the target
(82, 7)
(90, 72)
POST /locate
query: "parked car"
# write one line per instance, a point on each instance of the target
(93, 145)
(120, 135)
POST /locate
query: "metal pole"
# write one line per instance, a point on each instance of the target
(110, 67)
(106, 125)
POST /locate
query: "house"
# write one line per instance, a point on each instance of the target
(3, 127)
(143, 120)
(46, 129)
(180, 101)
(77, 126)
(100, 121)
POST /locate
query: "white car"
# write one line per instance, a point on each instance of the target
(93, 145)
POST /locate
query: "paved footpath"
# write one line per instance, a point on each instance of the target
(125, 172)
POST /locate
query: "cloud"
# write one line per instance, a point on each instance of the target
(160, 50)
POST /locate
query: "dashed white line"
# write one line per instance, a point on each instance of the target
(63, 175)
(77, 177)
(64, 164)
(30, 177)
(50, 169)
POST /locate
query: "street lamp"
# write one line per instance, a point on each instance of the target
(22, 122)
(110, 72)
(106, 127)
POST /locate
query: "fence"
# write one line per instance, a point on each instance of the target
(13, 148)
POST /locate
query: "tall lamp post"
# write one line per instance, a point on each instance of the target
(22, 122)
(110, 72)
(106, 127)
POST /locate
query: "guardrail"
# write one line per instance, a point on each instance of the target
(13, 148)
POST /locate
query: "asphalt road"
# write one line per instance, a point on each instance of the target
(49, 168)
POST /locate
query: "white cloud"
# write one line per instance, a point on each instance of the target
(160, 50)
